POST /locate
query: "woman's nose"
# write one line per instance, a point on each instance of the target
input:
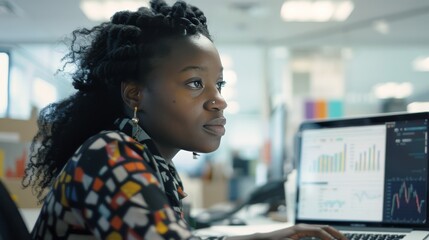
(217, 103)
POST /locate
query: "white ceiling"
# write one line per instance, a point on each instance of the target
(238, 21)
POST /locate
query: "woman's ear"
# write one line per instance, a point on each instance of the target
(131, 94)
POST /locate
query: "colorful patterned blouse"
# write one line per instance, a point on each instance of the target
(114, 187)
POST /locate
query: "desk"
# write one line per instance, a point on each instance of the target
(256, 223)
(223, 230)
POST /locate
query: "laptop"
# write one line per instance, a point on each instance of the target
(365, 174)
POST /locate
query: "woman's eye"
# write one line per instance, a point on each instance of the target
(220, 85)
(197, 84)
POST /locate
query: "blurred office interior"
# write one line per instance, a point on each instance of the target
(285, 61)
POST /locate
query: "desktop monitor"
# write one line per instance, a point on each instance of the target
(276, 168)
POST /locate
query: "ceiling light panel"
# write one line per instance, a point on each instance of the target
(102, 10)
(316, 10)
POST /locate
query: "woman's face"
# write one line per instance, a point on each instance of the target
(182, 106)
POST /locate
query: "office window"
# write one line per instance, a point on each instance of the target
(44, 93)
(4, 83)
(19, 92)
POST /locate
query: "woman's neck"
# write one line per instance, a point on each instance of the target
(167, 153)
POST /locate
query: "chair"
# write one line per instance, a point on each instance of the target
(12, 225)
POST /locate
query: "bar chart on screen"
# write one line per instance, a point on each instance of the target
(350, 152)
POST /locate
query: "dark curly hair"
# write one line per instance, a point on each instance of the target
(121, 49)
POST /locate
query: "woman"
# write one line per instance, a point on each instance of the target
(148, 85)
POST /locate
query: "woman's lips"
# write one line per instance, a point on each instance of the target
(216, 126)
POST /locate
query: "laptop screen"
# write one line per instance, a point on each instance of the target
(368, 171)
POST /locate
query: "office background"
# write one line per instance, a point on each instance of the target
(349, 58)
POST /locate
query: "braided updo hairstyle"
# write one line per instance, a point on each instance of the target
(106, 55)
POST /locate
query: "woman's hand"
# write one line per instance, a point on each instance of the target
(323, 232)
(296, 232)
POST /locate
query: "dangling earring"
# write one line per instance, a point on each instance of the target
(135, 119)
(195, 155)
(136, 128)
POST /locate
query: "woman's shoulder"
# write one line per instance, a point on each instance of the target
(112, 145)
(108, 136)
(104, 138)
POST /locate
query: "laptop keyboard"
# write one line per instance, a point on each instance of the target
(370, 236)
